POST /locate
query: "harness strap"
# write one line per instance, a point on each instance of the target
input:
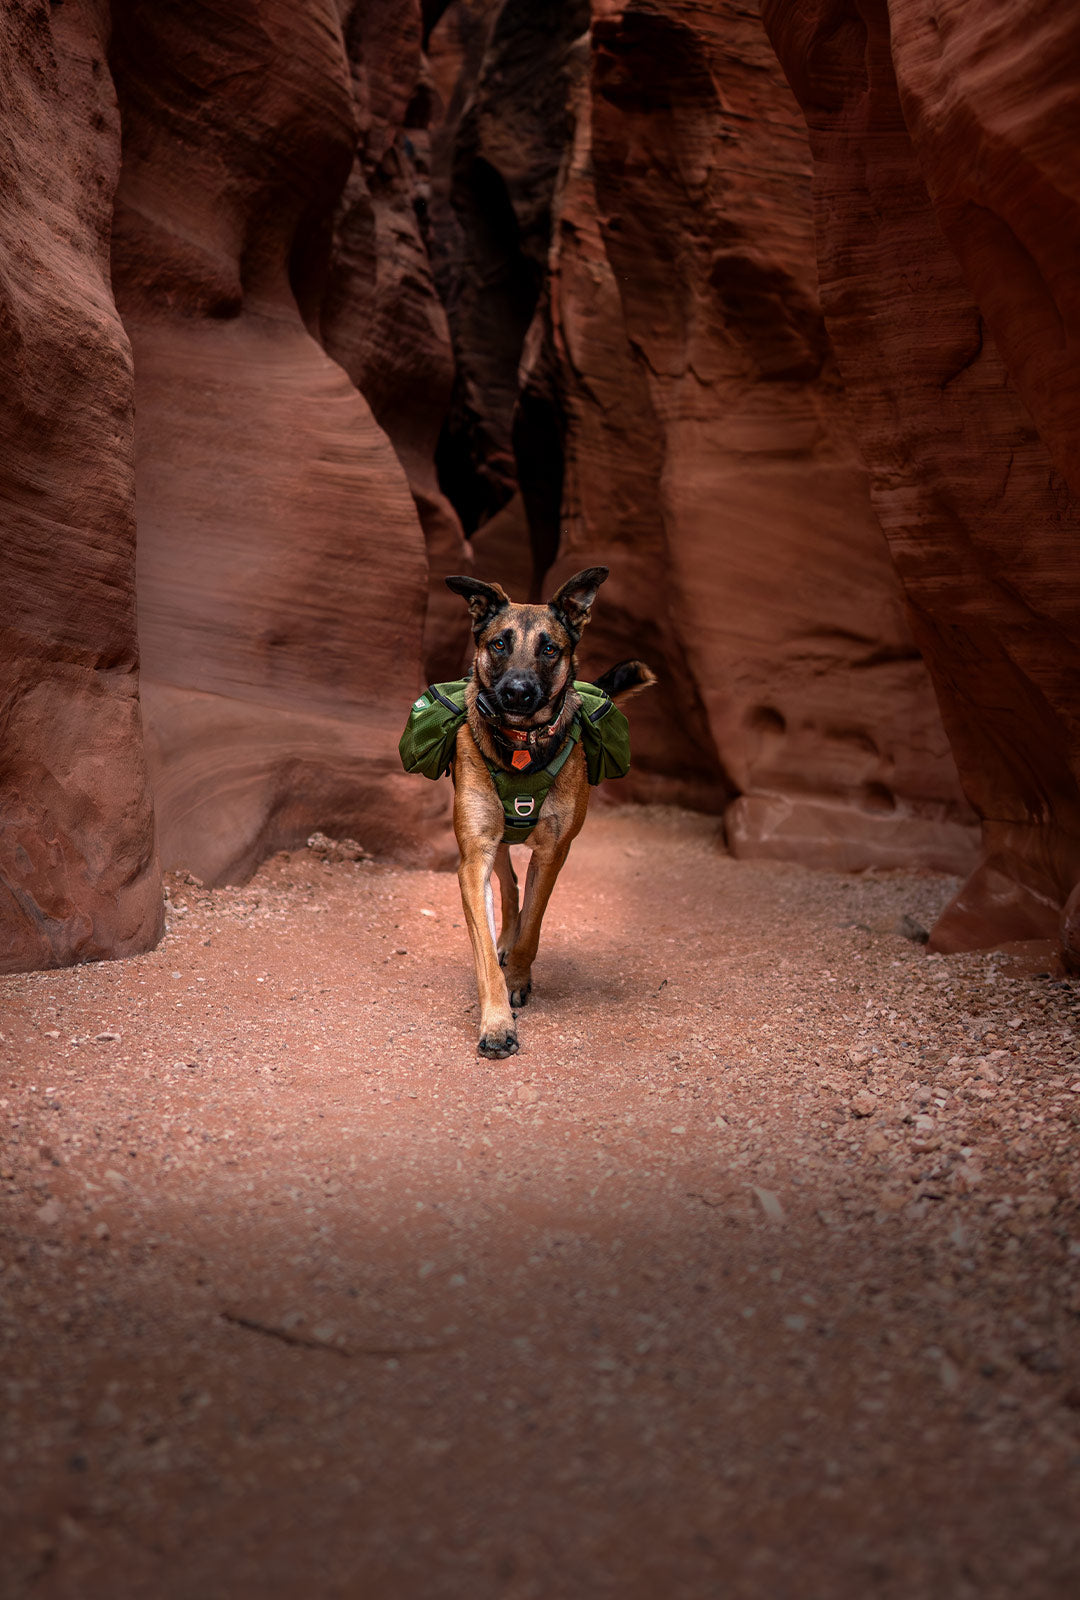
(509, 787)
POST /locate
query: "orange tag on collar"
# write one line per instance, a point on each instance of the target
(521, 758)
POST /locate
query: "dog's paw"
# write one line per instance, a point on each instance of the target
(519, 995)
(499, 1043)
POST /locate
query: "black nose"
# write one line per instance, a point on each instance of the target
(519, 694)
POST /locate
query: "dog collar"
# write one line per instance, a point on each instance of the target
(525, 739)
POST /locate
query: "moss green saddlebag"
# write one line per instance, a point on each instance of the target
(605, 734)
(427, 745)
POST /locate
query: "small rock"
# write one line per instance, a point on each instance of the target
(769, 1203)
(863, 1104)
(1041, 1359)
(876, 1143)
(527, 1094)
(336, 849)
(949, 1374)
(50, 1213)
(107, 1038)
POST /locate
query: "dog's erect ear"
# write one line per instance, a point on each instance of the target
(485, 599)
(574, 600)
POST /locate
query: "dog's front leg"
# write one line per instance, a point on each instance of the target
(544, 868)
(498, 1035)
(510, 912)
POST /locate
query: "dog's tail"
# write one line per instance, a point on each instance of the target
(625, 679)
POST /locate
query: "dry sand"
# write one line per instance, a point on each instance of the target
(756, 1273)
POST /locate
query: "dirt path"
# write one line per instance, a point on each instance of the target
(756, 1273)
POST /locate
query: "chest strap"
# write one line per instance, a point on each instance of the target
(522, 796)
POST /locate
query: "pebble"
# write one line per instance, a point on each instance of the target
(769, 1203)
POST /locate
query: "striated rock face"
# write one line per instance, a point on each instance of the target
(281, 567)
(381, 317)
(505, 72)
(948, 208)
(78, 878)
(678, 418)
(410, 287)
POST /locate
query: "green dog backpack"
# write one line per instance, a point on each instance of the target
(605, 734)
(427, 746)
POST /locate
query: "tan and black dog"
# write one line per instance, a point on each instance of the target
(520, 696)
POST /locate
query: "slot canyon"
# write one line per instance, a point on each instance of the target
(757, 1272)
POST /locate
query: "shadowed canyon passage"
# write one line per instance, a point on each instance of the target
(756, 1272)
(306, 306)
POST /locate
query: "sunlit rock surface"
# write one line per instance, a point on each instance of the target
(947, 217)
(281, 565)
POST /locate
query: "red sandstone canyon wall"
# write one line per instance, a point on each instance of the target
(342, 295)
(78, 877)
(380, 315)
(677, 361)
(282, 572)
(947, 204)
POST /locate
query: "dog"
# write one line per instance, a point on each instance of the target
(522, 710)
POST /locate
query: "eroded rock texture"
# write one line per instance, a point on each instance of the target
(281, 565)
(948, 209)
(410, 285)
(674, 412)
(505, 74)
(381, 317)
(78, 878)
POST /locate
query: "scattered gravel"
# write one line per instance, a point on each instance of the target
(756, 1273)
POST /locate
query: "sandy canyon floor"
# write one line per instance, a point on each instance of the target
(756, 1273)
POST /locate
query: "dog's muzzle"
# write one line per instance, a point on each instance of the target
(518, 695)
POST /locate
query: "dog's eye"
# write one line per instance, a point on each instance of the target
(550, 650)
(497, 647)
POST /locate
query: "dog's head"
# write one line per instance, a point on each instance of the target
(525, 654)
